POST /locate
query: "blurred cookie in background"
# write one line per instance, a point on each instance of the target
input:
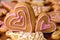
(8, 5)
(56, 35)
(3, 12)
(2, 27)
(3, 36)
(55, 16)
(37, 6)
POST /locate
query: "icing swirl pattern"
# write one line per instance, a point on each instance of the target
(22, 19)
(44, 24)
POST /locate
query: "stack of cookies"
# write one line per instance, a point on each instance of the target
(29, 19)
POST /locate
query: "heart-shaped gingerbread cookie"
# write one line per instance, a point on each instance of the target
(44, 24)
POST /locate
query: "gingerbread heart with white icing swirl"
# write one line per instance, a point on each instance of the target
(22, 19)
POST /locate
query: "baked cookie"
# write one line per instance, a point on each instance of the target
(8, 5)
(2, 27)
(37, 6)
(25, 35)
(56, 35)
(3, 11)
(55, 16)
(22, 18)
(44, 24)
